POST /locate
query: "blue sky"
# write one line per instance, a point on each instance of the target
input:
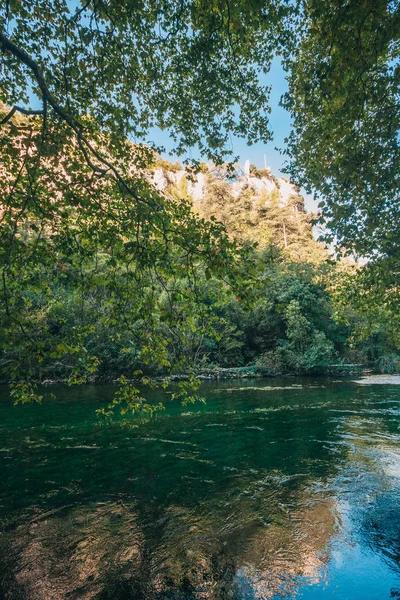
(280, 121)
(280, 124)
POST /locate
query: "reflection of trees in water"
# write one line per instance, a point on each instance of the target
(374, 469)
(278, 557)
(218, 503)
(101, 551)
(72, 553)
(250, 562)
(208, 513)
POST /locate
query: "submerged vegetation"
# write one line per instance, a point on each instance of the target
(249, 496)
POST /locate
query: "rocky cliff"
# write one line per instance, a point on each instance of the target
(258, 181)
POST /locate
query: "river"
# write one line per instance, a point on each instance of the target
(274, 489)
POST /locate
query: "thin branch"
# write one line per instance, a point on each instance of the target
(24, 111)
(37, 71)
(79, 11)
(77, 127)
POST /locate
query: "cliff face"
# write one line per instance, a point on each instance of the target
(196, 187)
(259, 184)
(253, 206)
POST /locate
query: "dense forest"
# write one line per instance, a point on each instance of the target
(138, 253)
(299, 309)
(114, 266)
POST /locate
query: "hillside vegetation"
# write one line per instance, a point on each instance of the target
(299, 312)
(114, 264)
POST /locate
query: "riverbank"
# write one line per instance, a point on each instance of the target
(249, 372)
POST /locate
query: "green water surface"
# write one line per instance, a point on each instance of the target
(273, 489)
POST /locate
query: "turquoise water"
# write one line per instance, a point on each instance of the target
(273, 489)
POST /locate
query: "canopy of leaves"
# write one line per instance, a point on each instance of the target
(188, 66)
(344, 91)
(76, 200)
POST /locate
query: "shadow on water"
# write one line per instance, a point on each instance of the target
(264, 492)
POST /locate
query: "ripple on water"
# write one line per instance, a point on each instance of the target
(379, 379)
(273, 496)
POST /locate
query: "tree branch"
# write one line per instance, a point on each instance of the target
(24, 111)
(37, 71)
(78, 128)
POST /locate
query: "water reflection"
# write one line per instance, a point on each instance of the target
(264, 493)
(73, 552)
(100, 551)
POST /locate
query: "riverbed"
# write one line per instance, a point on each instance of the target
(273, 489)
